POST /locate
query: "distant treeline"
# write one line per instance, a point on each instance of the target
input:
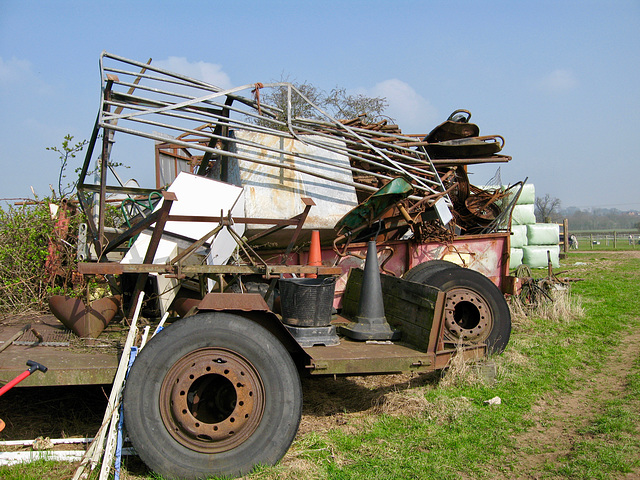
(601, 220)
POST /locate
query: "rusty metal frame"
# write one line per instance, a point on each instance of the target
(132, 101)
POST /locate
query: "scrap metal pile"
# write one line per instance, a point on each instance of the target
(212, 128)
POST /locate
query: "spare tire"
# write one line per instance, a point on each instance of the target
(475, 311)
(427, 268)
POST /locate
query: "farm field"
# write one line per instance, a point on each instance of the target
(568, 384)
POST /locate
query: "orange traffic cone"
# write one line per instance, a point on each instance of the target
(315, 255)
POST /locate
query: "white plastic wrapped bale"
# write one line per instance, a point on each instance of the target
(543, 234)
(515, 257)
(536, 255)
(523, 215)
(527, 197)
(519, 236)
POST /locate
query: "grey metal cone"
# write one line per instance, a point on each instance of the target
(370, 324)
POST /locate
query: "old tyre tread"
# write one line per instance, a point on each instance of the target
(457, 279)
(427, 268)
(244, 344)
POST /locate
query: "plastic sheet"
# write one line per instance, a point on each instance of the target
(543, 234)
(519, 237)
(536, 255)
(527, 197)
(523, 215)
(515, 257)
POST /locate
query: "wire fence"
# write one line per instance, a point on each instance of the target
(604, 241)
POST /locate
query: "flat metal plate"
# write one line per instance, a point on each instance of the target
(352, 357)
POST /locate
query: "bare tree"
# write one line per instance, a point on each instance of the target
(336, 103)
(344, 106)
(546, 209)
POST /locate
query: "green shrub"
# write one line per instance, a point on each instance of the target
(25, 233)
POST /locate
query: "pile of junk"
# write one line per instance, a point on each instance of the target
(241, 186)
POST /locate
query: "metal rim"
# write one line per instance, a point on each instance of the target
(212, 400)
(468, 316)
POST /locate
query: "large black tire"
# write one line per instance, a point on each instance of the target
(213, 394)
(427, 268)
(475, 311)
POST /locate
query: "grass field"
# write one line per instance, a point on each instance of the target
(568, 382)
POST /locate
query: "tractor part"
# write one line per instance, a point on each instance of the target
(214, 394)
(475, 309)
(86, 321)
(33, 366)
(371, 323)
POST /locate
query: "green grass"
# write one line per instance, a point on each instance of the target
(454, 434)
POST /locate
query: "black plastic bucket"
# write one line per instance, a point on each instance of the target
(307, 302)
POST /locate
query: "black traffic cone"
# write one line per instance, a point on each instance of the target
(370, 324)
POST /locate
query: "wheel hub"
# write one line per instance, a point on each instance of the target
(467, 316)
(212, 400)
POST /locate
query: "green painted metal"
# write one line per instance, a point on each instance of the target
(376, 205)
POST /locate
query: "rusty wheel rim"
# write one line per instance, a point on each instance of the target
(467, 316)
(212, 400)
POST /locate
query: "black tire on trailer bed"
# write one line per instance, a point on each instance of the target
(427, 268)
(214, 394)
(476, 310)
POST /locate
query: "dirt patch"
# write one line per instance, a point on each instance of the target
(559, 419)
(345, 401)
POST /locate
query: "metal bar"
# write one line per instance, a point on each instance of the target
(257, 221)
(131, 232)
(193, 247)
(169, 198)
(115, 189)
(189, 80)
(120, 268)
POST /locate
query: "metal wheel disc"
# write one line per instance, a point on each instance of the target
(212, 400)
(467, 316)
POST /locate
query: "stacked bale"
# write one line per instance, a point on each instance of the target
(542, 244)
(522, 215)
(530, 241)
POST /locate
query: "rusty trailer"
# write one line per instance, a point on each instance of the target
(228, 229)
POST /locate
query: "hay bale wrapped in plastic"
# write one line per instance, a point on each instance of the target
(519, 236)
(536, 255)
(523, 215)
(515, 257)
(543, 234)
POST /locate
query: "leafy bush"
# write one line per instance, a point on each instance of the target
(25, 234)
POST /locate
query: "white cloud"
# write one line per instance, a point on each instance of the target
(412, 112)
(208, 72)
(560, 80)
(14, 70)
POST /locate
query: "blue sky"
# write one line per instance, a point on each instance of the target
(559, 80)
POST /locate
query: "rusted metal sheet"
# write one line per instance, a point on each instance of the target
(86, 321)
(69, 363)
(233, 301)
(273, 190)
(487, 254)
(355, 358)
